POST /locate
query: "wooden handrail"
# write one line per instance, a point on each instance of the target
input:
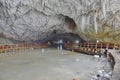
(99, 45)
(87, 45)
(22, 46)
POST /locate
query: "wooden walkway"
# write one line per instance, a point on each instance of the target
(90, 48)
(93, 49)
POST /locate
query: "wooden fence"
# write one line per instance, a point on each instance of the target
(20, 47)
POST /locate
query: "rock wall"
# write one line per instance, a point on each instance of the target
(31, 19)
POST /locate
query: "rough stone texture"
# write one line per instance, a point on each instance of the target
(28, 19)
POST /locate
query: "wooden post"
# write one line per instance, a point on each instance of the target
(101, 45)
(114, 46)
(96, 45)
(4, 48)
(83, 44)
(88, 45)
(119, 46)
(107, 45)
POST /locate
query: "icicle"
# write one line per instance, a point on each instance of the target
(83, 18)
(113, 23)
(116, 24)
(42, 2)
(95, 23)
(103, 3)
(88, 4)
(88, 20)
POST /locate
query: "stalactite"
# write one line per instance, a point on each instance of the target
(88, 4)
(88, 21)
(115, 24)
(95, 23)
(83, 19)
(103, 4)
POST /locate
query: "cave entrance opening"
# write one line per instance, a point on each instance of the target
(65, 37)
(71, 23)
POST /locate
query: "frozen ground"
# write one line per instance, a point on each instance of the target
(49, 65)
(116, 71)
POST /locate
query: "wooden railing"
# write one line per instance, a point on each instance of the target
(93, 49)
(99, 45)
(20, 47)
(90, 48)
(24, 46)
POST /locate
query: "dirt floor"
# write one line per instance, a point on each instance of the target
(49, 64)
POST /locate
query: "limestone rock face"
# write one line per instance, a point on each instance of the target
(35, 19)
